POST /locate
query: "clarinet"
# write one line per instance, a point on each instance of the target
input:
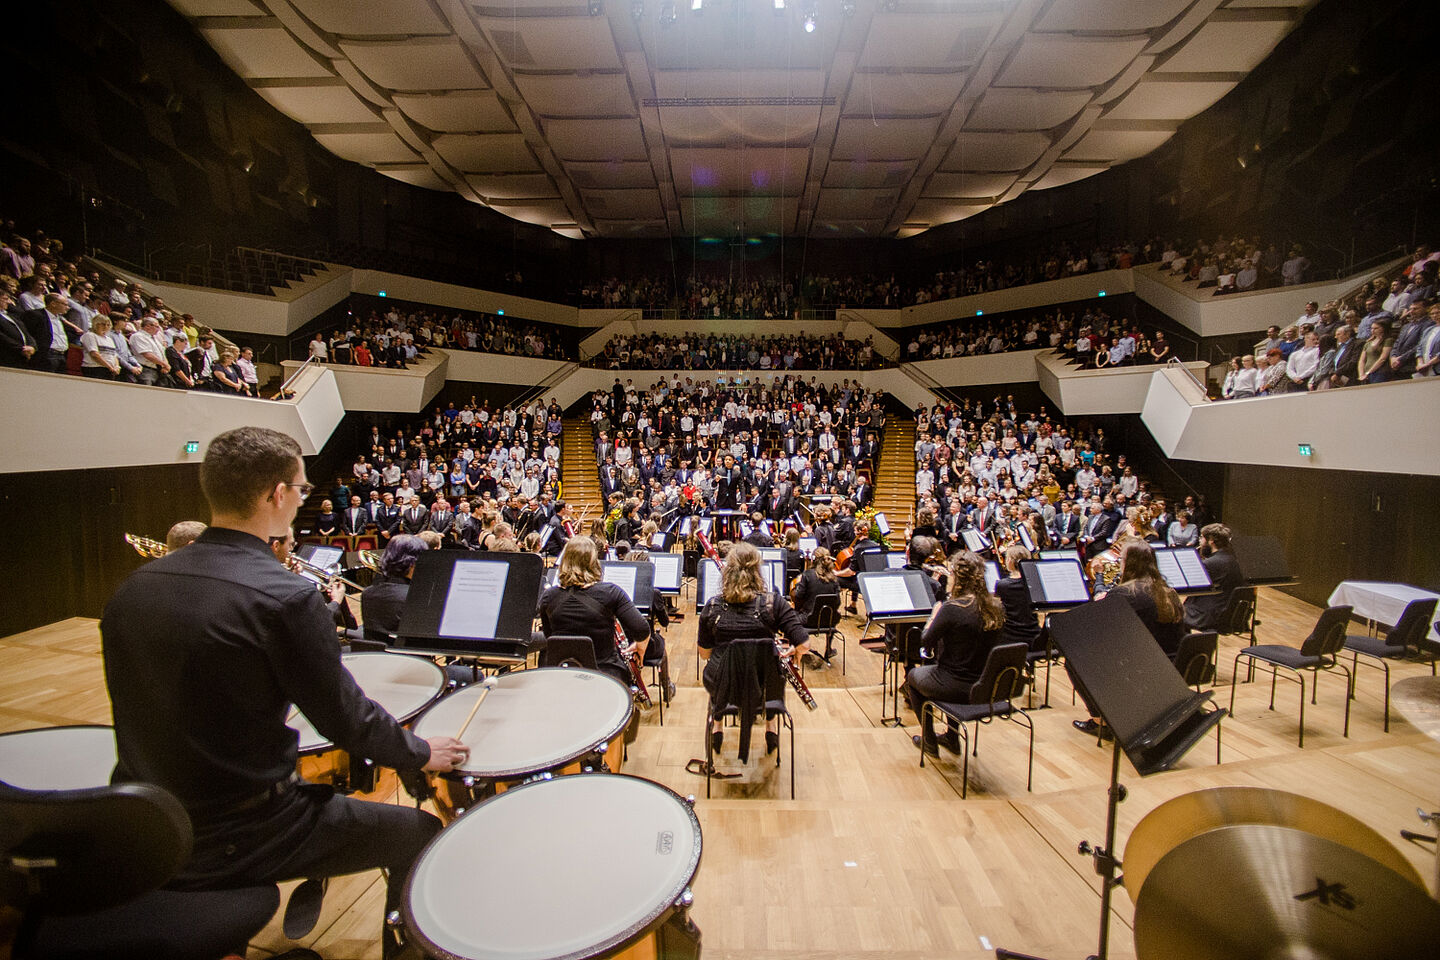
(637, 679)
(787, 664)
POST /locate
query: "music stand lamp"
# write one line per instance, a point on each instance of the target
(1155, 717)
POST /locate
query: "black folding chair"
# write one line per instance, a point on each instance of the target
(1405, 641)
(992, 697)
(1318, 652)
(1195, 658)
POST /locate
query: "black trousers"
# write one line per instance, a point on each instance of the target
(309, 832)
(928, 682)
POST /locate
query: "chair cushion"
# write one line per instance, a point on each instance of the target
(1373, 646)
(1280, 654)
(966, 712)
(161, 925)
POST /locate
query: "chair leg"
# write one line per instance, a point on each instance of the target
(1301, 678)
(1348, 680)
(1354, 673)
(1386, 667)
(1234, 682)
(791, 725)
(964, 766)
(709, 752)
(975, 743)
(1274, 674)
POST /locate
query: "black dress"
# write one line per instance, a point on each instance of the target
(1020, 623)
(591, 612)
(381, 605)
(808, 589)
(961, 647)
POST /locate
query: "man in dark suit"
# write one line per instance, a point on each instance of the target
(17, 345)
(951, 526)
(48, 328)
(1095, 535)
(414, 518)
(354, 517)
(441, 519)
(1067, 525)
(1203, 612)
(387, 521)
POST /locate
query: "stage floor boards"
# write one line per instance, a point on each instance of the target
(877, 857)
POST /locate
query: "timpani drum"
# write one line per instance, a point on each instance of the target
(558, 720)
(404, 685)
(575, 867)
(58, 758)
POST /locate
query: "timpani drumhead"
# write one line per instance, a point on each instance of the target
(58, 758)
(404, 685)
(532, 720)
(567, 868)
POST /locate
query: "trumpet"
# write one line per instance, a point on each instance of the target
(302, 566)
(147, 548)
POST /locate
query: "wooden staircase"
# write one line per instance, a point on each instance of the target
(580, 475)
(895, 473)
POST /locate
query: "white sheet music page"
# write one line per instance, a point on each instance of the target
(472, 604)
(1169, 568)
(887, 595)
(622, 577)
(1193, 567)
(1062, 582)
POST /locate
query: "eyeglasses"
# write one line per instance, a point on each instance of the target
(305, 490)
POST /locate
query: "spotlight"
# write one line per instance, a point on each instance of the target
(809, 21)
(596, 8)
(847, 8)
(637, 9)
(667, 13)
(890, 5)
(696, 6)
(779, 6)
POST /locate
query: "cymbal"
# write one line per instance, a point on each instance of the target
(1418, 700)
(1259, 892)
(1191, 814)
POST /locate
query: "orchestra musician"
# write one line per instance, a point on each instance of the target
(744, 610)
(961, 631)
(563, 528)
(224, 607)
(1021, 623)
(656, 654)
(818, 581)
(382, 602)
(582, 604)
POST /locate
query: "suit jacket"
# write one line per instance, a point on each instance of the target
(1101, 530)
(1203, 612)
(1347, 358)
(388, 519)
(38, 323)
(414, 520)
(14, 336)
(353, 519)
(1067, 526)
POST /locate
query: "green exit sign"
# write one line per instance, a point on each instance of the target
(193, 446)
(1305, 450)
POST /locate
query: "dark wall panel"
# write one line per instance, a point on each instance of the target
(1340, 525)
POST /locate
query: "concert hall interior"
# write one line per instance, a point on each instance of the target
(577, 479)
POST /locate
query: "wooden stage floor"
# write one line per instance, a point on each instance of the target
(877, 857)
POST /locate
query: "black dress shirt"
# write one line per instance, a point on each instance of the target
(205, 650)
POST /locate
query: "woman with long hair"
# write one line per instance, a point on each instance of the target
(581, 604)
(961, 631)
(743, 610)
(818, 581)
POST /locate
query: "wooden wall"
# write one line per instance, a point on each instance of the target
(1340, 525)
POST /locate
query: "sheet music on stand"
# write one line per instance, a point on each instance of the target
(894, 595)
(895, 559)
(321, 555)
(1183, 569)
(882, 524)
(635, 577)
(992, 575)
(463, 605)
(707, 582)
(1054, 583)
(1026, 541)
(975, 541)
(545, 536)
(808, 545)
(668, 570)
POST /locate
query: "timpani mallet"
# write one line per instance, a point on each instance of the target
(487, 685)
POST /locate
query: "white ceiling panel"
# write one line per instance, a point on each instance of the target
(596, 139)
(737, 119)
(1069, 63)
(1156, 98)
(261, 52)
(873, 93)
(1117, 145)
(487, 153)
(331, 103)
(1111, 15)
(566, 95)
(884, 138)
(1010, 109)
(1227, 46)
(512, 186)
(927, 39)
(478, 111)
(417, 174)
(964, 185)
(553, 43)
(995, 151)
(364, 18)
(424, 63)
(943, 211)
(368, 148)
(1063, 173)
(759, 171)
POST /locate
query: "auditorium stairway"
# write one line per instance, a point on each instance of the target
(580, 475)
(895, 473)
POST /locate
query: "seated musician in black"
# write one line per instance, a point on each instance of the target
(818, 581)
(581, 604)
(1021, 624)
(383, 601)
(918, 555)
(961, 632)
(847, 565)
(745, 610)
(656, 654)
(224, 607)
(1156, 604)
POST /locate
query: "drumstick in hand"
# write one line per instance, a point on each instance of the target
(486, 686)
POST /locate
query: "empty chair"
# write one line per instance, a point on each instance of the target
(991, 697)
(1317, 653)
(1239, 616)
(1405, 641)
(1195, 658)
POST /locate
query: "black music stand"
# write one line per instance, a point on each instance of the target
(1155, 717)
(1263, 564)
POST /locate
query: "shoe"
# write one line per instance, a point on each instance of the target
(302, 911)
(772, 741)
(1091, 728)
(669, 691)
(950, 741)
(717, 737)
(828, 657)
(928, 746)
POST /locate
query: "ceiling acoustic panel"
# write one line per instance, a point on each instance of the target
(602, 120)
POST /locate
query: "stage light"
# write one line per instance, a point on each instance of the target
(697, 6)
(596, 7)
(847, 8)
(667, 13)
(810, 21)
(637, 9)
(779, 6)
